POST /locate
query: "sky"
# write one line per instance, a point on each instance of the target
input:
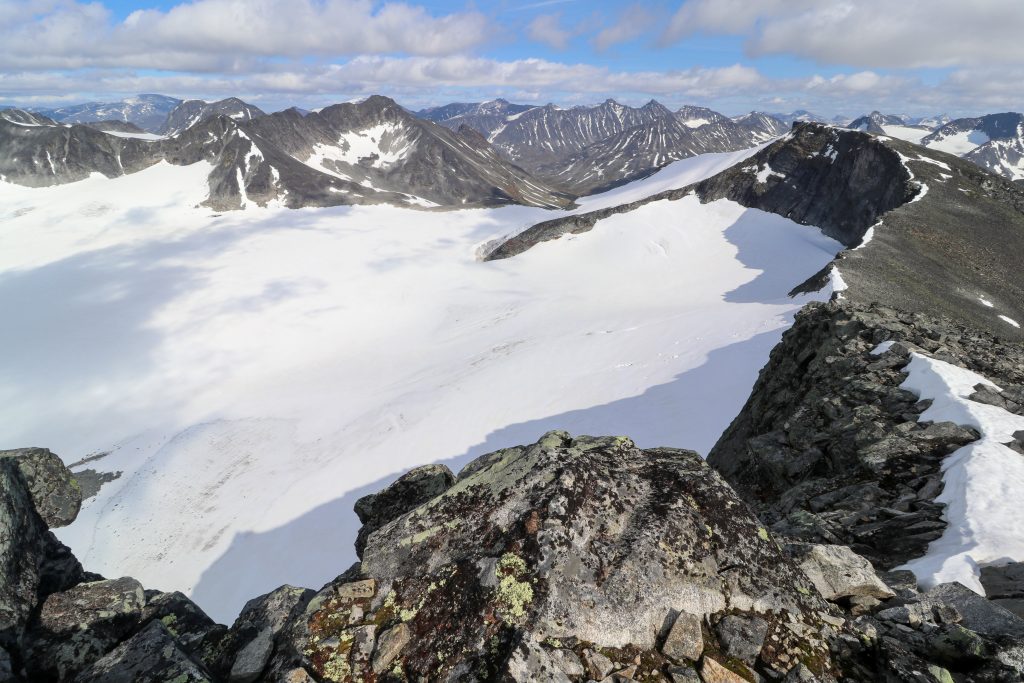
(915, 57)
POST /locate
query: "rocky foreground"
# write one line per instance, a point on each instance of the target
(589, 559)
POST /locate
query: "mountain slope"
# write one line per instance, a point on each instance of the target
(695, 117)
(543, 134)
(765, 125)
(378, 144)
(994, 142)
(485, 117)
(148, 112)
(191, 112)
(639, 151)
(875, 122)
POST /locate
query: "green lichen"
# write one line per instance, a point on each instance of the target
(169, 621)
(337, 668)
(513, 595)
(762, 533)
(510, 563)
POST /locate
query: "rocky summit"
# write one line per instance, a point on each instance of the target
(571, 559)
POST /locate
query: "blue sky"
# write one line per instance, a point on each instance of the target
(830, 56)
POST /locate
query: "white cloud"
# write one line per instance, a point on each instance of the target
(548, 29)
(633, 22)
(865, 33)
(225, 35)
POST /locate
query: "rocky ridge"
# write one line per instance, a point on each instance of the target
(839, 181)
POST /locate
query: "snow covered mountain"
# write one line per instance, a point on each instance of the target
(643, 149)
(369, 152)
(994, 142)
(191, 112)
(804, 116)
(930, 122)
(148, 112)
(764, 125)
(695, 117)
(541, 134)
(237, 380)
(875, 122)
(483, 117)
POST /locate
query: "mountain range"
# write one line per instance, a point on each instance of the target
(566, 151)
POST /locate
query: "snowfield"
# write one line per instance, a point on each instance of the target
(252, 373)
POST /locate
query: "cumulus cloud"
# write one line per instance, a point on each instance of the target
(632, 23)
(865, 33)
(224, 35)
(548, 29)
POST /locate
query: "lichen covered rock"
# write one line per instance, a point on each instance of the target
(541, 560)
(55, 493)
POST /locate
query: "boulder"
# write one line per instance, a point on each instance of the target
(838, 572)
(389, 646)
(712, 671)
(56, 494)
(150, 656)
(588, 545)
(976, 613)
(685, 640)
(742, 637)
(410, 490)
(32, 561)
(1003, 582)
(79, 626)
(253, 637)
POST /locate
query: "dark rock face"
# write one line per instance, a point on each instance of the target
(874, 122)
(639, 151)
(484, 117)
(828, 448)
(33, 563)
(116, 126)
(839, 181)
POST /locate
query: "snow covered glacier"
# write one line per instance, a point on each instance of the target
(250, 374)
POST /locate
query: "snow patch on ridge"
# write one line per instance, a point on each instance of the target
(983, 482)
